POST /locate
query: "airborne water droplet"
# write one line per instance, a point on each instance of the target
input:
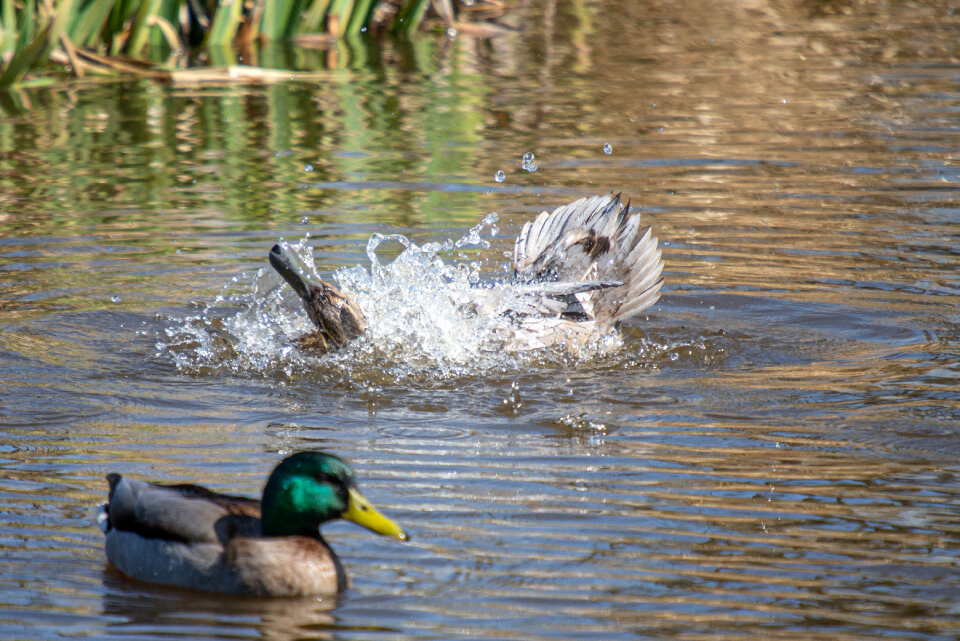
(499, 176)
(527, 162)
(607, 148)
(308, 167)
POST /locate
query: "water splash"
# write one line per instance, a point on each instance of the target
(428, 313)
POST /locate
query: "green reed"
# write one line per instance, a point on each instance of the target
(84, 34)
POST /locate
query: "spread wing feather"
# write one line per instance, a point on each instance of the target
(594, 239)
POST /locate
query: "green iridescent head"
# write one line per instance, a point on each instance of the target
(311, 488)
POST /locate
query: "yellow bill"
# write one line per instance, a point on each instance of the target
(361, 512)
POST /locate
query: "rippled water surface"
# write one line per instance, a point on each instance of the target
(771, 451)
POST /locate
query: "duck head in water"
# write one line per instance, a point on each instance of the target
(336, 315)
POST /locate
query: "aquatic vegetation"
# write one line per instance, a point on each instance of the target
(135, 36)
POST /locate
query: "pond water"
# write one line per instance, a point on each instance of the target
(772, 450)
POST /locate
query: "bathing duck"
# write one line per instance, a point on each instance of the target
(578, 272)
(191, 537)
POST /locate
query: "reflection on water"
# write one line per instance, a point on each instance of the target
(772, 451)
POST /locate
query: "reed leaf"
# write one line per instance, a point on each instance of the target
(360, 16)
(338, 15)
(8, 28)
(87, 22)
(226, 21)
(24, 58)
(409, 17)
(61, 18)
(280, 19)
(115, 30)
(141, 27)
(313, 18)
(163, 36)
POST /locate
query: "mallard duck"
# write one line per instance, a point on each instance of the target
(337, 317)
(191, 537)
(578, 272)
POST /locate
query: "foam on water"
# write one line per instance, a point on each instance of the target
(421, 315)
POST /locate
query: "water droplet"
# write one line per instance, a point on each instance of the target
(784, 101)
(308, 167)
(499, 176)
(607, 148)
(451, 33)
(527, 162)
(304, 220)
(115, 299)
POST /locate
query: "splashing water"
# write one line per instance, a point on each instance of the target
(422, 310)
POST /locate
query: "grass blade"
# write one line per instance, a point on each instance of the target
(313, 19)
(360, 16)
(280, 19)
(226, 21)
(408, 18)
(86, 25)
(24, 58)
(338, 15)
(141, 27)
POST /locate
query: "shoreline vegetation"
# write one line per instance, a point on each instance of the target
(160, 39)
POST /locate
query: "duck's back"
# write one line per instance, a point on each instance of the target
(594, 239)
